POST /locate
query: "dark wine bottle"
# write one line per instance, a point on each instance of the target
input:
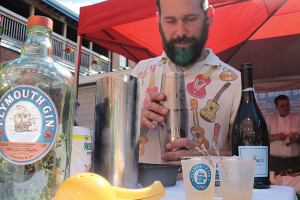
(250, 134)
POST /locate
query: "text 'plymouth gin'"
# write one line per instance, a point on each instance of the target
(250, 135)
(37, 102)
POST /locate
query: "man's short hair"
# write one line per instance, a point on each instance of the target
(280, 97)
(203, 4)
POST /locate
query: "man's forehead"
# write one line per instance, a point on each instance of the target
(283, 102)
(169, 6)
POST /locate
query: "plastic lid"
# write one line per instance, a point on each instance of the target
(37, 20)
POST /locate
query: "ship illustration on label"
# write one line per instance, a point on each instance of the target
(23, 119)
(28, 125)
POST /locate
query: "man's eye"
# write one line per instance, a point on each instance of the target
(171, 21)
(190, 19)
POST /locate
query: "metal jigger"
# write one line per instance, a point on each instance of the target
(175, 125)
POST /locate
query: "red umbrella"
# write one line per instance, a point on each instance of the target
(242, 31)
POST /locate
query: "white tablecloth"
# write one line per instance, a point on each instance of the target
(274, 193)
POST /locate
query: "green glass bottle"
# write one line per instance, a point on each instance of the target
(250, 136)
(37, 102)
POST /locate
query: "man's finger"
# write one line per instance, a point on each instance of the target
(182, 143)
(156, 97)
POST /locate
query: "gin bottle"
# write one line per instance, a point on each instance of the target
(37, 102)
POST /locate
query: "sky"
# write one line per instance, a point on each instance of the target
(75, 5)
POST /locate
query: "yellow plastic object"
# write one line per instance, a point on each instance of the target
(85, 186)
(90, 186)
(152, 192)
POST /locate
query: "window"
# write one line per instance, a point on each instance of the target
(123, 61)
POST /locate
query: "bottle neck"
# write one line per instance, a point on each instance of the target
(38, 42)
(247, 85)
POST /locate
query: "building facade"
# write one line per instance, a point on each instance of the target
(14, 15)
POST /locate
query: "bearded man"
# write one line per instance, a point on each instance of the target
(212, 86)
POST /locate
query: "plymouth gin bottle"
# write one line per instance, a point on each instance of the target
(250, 135)
(37, 102)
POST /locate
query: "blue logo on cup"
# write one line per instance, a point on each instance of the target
(217, 178)
(200, 176)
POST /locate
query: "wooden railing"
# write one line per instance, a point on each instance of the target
(14, 35)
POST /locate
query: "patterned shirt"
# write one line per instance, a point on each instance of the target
(213, 93)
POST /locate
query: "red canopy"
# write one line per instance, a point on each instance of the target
(242, 31)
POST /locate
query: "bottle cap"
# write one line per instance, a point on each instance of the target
(38, 20)
(246, 66)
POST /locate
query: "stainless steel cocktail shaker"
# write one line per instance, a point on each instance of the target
(175, 125)
(117, 130)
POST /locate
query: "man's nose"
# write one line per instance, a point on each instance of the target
(181, 29)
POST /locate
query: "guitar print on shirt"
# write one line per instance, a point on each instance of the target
(143, 140)
(142, 76)
(197, 131)
(228, 75)
(208, 113)
(216, 134)
(151, 89)
(197, 88)
(162, 61)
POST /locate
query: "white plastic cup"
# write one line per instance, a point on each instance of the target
(237, 177)
(217, 189)
(199, 177)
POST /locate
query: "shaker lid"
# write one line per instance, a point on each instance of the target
(38, 20)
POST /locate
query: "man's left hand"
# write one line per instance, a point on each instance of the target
(184, 147)
(295, 137)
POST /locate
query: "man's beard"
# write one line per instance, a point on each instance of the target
(185, 56)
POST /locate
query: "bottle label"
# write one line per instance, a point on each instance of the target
(28, 125)
(261, 153)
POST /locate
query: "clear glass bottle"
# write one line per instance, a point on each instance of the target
(250, 134)
(36, 118)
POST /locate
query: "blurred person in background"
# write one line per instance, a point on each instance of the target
(284, 128)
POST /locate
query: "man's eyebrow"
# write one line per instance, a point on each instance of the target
(185, 16)
(285, 104)
(168, 17)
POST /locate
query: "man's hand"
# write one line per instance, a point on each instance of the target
(278, 136)
(184, 147)
(153, 111)
(295, 137)
(281, 136)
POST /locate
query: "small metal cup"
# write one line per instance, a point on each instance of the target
(175, 125)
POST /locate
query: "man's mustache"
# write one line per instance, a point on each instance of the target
(182, 39)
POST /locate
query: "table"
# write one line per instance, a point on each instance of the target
(274, 193)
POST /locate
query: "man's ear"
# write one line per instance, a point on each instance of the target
(157, 16)
(210, 14)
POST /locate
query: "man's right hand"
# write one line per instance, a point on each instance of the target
(278, 136)
(281, 136)
(153, 111)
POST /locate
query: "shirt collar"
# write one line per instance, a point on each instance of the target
(211, 59)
